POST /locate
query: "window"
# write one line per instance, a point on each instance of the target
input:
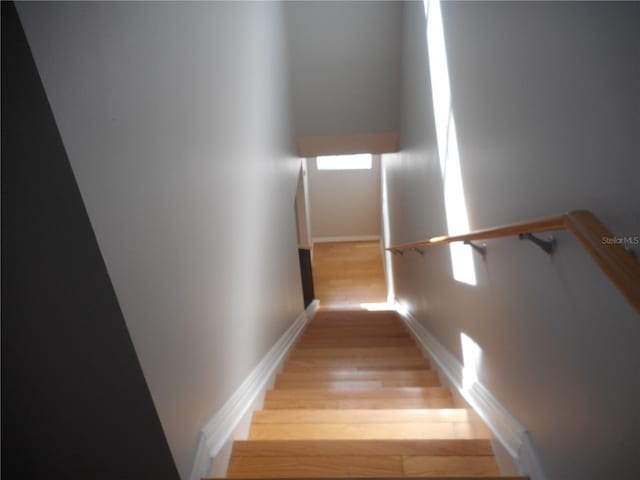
(360, 161)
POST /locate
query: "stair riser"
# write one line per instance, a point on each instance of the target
(379, 431)
(366, 404)
(288, 448)
(414, 416)
(357, 352)
(354, 385)
(372, 362)
(407, 392)
(365, 341)
(337, 374)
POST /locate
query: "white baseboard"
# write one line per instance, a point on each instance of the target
(528, 461)
(508, 430)
(352, 238)
(213, 437)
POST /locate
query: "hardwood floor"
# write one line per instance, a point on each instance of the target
(341, 408)
(347, 274)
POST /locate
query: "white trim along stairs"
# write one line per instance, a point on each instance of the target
(513, 436)
(219, 430)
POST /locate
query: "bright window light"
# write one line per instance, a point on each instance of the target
(360, 161)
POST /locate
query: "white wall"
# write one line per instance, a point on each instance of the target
(175, 120)
(344, 203)
(345, 66)
(303, 214)
(545, 98)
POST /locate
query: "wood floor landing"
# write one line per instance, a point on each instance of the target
(348, 273)
(357, 399)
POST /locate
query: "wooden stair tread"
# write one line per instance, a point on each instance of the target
(367, 431)
(339, 357)
(353, 384)
(414, 466)
(336, 385)
(349, 342)
(357, 352)
(356, 322)
(331, 373)
(446, 415)
(355, 367)
(355, 318)
(366, 403)
(334, 378)
(422, 477)
(356, 399)
(347, 466)
(359, 329)
(328, 322)
(379, 362)
(398, 392)
(315, 466)
(274, 448)
(324, 311)
(356, 331)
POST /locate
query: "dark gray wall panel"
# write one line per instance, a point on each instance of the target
(75, 403)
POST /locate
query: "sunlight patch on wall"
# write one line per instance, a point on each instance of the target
(401, 308)
(386, 230)
(471, 354)
(378, 307)
(454, 197)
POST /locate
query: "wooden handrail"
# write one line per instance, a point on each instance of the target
(616, 262)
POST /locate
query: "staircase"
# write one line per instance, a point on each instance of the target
(356, 398)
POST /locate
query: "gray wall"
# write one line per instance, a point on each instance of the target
(344, 203)
(546, 100)
(345, 66)
(174, 117)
